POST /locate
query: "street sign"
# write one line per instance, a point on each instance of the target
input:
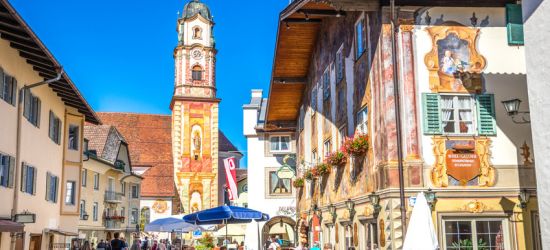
(412, 201)
(197, 233)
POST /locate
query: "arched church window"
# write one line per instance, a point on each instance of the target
(196, 73)
(197, 33)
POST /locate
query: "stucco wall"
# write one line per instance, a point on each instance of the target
(536, 18)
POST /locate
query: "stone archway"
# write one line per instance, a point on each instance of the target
(282, 226)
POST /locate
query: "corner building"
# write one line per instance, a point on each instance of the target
(333, 78)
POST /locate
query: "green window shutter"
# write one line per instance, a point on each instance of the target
(11, 172)
(431, 114)
(486, 123)
(514, 24)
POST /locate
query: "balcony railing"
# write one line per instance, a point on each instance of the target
(112, 224)
(113, 197)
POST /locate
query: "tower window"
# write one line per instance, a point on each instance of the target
(196, 73)
(197, 33)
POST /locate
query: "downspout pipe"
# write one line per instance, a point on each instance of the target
(396, 92)
(16, 190)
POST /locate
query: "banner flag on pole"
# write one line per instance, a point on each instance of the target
(231, 178)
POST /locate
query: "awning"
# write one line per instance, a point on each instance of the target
(60, 232)
(11, 226)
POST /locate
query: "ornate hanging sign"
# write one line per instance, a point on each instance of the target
(462, 165)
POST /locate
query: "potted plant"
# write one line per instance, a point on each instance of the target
(336, 159)
(308, 175)
(298, 182)
(206, 242)
(322, 169)
(356, 146)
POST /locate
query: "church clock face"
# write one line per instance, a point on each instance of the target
(197, 54)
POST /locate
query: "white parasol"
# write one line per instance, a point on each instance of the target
(421, 234)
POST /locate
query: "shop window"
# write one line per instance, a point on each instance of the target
(279, 143)
(279, 186)
(134, 216)
(475, 234)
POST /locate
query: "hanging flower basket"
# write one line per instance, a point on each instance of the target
(322, 169)
(308, 175)
(337, 159)
(356, 146)
(298, 182)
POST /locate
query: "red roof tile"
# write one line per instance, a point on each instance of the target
(150, 143)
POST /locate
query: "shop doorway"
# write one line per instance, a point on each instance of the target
(283, 228)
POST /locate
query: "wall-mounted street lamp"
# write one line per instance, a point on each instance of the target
(375, 201)
(430, 197)
(523, 198)
(512, 108)
(85, 216)
(350, 205)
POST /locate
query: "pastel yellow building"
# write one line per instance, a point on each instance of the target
(110, 191)
(41, 123)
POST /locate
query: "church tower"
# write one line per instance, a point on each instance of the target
(195, 110)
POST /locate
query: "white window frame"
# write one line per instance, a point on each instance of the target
(134, 216)
(456, 115)
(84, 177)
(472, 220)
(268, 187)
(362, 119)
(95, 211)
(70, 194)
(327, 146)
(74, 144)
(136, 187)
(82, 208)
(96, 181)
(314, 156)
(279, 150)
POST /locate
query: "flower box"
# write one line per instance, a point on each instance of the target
(356, 146)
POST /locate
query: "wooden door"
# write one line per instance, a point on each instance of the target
(19, 241)
(35, 242)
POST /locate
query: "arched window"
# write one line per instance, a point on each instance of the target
(197, 33)
(196, 73)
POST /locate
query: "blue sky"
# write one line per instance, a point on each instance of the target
(119, 53)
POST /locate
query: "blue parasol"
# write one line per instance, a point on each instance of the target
(170, 224)
(225, 215)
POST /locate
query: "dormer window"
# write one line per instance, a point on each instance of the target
(196, 73)
(197, 33)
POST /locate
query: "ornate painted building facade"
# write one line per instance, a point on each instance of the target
(195, 110)
(333, 78)
(180, 156)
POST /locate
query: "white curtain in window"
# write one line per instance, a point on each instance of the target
(465, 114)
(273, 180)
(447, 109)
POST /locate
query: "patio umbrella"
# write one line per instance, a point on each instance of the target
(225, 215)
(421, 234)
(170, 224)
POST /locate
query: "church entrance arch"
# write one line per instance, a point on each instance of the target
(282, 227)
